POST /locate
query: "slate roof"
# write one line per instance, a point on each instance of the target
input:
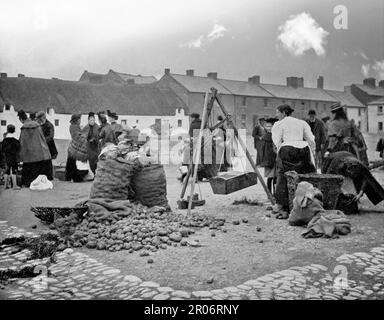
(244, 88)
(199, 84)
(346, 98)
(377, 91)
(67, 97)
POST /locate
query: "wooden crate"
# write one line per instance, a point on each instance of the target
(232, 181)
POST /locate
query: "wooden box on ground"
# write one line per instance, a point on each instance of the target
(328, 184)
(232, 181)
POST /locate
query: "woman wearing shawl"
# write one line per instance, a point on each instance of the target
(295, 145)
(34, 151)
(71, 171)
(91, 132)
(344, 136)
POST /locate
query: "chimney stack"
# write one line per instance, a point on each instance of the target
(320, 82)
(167, 71)
(130, 81)
(371, 82)
(190, 72)
(292, 82)
(20, 75)
(3, 75)
(212, 75)
(300, 82)
(254, 79)
(381, 84)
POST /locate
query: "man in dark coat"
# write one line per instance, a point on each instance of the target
(257, 133)
(318, 130)
(194, 125)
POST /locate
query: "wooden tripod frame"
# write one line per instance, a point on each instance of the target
(208, 105)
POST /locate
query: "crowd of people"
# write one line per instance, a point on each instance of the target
(286, 143)
(35, 148)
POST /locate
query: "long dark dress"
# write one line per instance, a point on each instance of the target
(93, 148)
(49, 134)
(34, 153)
(71, 171)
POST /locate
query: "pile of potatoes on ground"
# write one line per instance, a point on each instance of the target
(145, 230)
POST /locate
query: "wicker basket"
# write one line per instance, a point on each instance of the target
(328, 184)
(47, 214)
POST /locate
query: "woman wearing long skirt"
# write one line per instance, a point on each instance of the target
(34, 151)
(91, 132)
(295, 146)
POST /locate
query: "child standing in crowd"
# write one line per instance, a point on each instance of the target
(11, 148)
(268, 154)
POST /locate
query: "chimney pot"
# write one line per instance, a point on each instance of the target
(371, 82)
(20, 75)
(3, 75)
(190, 72)
(381, 83)
(254, 79)
(320, 82)
(212, 75)
(167, 71)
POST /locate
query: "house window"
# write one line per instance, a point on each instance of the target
(137, 121)
(7, 107)
(379, 110)
(123, 122)
(317, 106)
(324, 107)
(243, 121)
(56, 122)
(179, 123)
(380, 126)
(265, 103)
(3, 123)
(359, 112)
(294, 104)
(244, 101)
(359, 125)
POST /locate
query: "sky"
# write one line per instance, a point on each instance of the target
(236, 38)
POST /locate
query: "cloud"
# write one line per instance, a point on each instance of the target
(301, 33)
(360, 54)
(196, 43)
(217, 32)
(365, 68)
(375, 70)
(378, 67)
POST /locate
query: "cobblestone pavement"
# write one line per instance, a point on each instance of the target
(74, 275)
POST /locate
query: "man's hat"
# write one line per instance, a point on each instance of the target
(40, 114)
(91, 114)
(336, 106)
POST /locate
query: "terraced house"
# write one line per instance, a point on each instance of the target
(250, 99)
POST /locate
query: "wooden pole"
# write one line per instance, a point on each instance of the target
(249, 157)
(197, 153)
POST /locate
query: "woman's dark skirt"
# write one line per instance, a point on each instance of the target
(71, 171)
(31, 170)
(290, 159)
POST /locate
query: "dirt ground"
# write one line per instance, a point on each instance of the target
(229, 258)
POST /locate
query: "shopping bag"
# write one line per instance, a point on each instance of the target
(41, 183)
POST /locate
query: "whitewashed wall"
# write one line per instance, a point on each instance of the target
(374, 118)
(62, 127)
